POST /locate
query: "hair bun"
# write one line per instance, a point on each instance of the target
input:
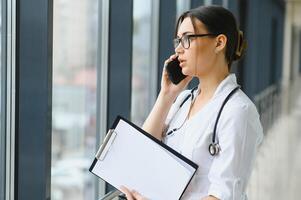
(241, 46)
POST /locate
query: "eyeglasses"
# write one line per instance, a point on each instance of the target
(186, 39)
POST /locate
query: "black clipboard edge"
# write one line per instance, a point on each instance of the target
(95, 161)
(187, 185)
(93, 164)
(191, 163)
(91, 170)
(116, 121)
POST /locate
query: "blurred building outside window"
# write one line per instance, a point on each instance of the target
(182, 6)
(75, 35)
(141, 61)
(143, 78)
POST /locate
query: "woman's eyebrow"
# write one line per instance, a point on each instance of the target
(185, 33)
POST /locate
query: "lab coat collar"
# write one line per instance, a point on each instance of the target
(225, 87)
(228, 84)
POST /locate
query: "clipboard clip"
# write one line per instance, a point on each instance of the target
(104, 148)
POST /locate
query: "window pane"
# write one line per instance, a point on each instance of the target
(141, 77)
(182, 6)
(75, 27)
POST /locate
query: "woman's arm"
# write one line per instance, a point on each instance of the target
(210, 198)
(154, 124)
(238, 133)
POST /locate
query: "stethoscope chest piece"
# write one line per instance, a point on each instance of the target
(214, 149)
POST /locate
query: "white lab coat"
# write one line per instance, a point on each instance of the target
(239, 133)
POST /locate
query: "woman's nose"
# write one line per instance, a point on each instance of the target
(179, 49)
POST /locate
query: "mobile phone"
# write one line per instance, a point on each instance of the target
(174, 71)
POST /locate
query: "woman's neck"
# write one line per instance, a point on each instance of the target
(210, 82)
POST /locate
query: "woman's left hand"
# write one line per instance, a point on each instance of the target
(132, 195)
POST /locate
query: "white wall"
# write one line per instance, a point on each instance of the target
(292, 27)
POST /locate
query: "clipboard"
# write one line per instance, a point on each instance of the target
(133, 158)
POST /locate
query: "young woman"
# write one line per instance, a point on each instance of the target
(207, 41)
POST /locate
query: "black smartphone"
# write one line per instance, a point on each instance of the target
(174, 71)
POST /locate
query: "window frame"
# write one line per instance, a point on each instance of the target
(102, 83)
(3, 102)
(31, 125)
(8, 94)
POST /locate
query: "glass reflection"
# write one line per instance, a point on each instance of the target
(74, 98)
(141, 73)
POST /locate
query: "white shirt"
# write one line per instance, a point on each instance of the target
(239, 132)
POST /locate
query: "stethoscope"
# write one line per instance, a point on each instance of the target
(214, 147)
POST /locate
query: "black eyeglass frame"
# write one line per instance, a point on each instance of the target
(180, 40)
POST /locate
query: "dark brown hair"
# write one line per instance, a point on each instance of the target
(218, 20)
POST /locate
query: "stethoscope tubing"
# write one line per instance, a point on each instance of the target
(214, 143)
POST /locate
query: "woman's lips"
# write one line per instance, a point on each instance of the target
(182, 62)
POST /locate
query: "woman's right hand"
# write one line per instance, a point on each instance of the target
(167, 87)
(132, 195)
(155, 122)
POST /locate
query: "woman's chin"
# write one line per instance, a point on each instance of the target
(186, 72)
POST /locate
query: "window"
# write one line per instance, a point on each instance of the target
(182, 6)
(75, 33)
(145, 52)
(143, 83)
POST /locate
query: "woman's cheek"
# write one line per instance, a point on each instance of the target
(187, 70)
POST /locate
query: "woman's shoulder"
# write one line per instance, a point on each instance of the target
(240, 112)
(240, 103)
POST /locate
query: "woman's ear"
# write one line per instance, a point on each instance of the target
(220, 41)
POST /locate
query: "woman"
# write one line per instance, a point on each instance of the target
(207, 41)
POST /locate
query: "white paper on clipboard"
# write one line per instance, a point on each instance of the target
(132, 158)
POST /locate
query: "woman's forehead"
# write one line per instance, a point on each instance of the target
(187, 27)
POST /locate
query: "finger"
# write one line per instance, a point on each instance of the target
(172, 57)
(127, 193)
(137, 195)
(166, 62)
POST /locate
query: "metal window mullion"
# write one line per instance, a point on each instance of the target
(10, 98)
(33, 107)
(102, 82)
(3, 100)
(167, 20)
(119, 61)
(155, 15)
